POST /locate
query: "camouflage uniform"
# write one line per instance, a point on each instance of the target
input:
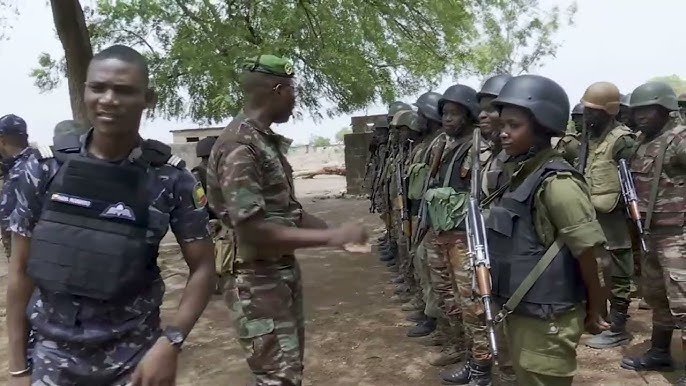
(14, 168)
(83, 341)
(568, 146)
(248, 174)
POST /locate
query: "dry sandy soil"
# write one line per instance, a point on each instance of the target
(355, 335)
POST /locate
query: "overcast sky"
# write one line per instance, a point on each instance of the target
(625, 42)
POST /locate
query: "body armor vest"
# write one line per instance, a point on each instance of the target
(90, 239)
(515, 249)
(601, 171)
(670, 203)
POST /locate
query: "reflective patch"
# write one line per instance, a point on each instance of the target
(119, 210)
(199, 197)
(73, 200)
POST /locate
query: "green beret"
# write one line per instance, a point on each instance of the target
(270, 64)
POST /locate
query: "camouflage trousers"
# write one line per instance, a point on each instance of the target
(442, 283)
(405, 260)
(267, 309)
(664, 278)
(6, 242)
(453, 247)
(58, 363)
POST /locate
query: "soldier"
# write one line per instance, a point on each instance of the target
(388, 190)
(429, 122)
(626, 116)
(659, 171)
(569, 145)
(608, 141)
(14, 150)
(544, 218)
(250, 187)
(91, 247)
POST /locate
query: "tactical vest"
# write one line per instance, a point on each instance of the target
(601, 171)
(447, 205)
(515, 249)
(670, 203)
(493, 176)
(90, 239)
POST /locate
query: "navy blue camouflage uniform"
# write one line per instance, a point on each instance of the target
(83, 341)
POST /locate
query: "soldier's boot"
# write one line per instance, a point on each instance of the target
(448, 355)
(414, 305)
(416, 317)
(386, 254)
(643, 305)
(422, 329)
(401, 289)
(458, 375)
(657, 358)
(401, 298)
(436, 338)
(617, 335)
(397, 280)
(481, 374)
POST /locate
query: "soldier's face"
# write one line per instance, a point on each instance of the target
(517, 134)
(285, 93)
(595, 120)
(489, 118)
(115, 96)
(650, 119)
(455, 118)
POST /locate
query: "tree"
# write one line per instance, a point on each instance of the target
(342, 132)
(349, 53)
(678, 84)
(319, 141)
(516, 35)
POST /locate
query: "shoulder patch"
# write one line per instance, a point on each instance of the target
(45, 152)
(176, 162)
(199, 196)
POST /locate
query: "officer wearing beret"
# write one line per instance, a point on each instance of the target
(250, 188)
(89, 218)
(15, 150)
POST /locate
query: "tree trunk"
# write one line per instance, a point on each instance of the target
(73, 33)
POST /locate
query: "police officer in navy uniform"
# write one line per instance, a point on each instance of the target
(86, 232)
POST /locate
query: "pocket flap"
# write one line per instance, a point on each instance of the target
(256, 327)
(501, 221)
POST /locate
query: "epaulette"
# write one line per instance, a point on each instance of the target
(45, 152)
(176, 162)
(158, 154)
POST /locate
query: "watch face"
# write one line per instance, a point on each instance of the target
(174, 335)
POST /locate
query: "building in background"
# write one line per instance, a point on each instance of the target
(194, 135)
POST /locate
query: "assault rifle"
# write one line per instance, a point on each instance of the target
(478, 244)
(423, 221)
(379, 168)
(631, 200)
(402, 194)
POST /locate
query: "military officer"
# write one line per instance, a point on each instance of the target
(659, 171)
(544, 216)
(250, 188)
(86, 230)
(606, 142)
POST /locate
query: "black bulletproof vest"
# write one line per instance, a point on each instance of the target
(91, 237)
(515, 249)
(457, 181)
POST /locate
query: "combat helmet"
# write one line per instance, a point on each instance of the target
(397, 106)
(407, 118)
(204, 147)
(462, 95)
(545, 99)
(493, 85)
(602, 96)
(427, 104)
(578, 109)
(69, 126)
(625, 100)
(654, 94)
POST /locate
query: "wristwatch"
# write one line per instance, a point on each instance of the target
(174, 335)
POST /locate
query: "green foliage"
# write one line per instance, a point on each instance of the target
(319, 141)
(342, 132)
(516, 35)
(677, 83)
(347, 53)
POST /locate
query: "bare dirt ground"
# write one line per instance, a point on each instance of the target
(355, 334)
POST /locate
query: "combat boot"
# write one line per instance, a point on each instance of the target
(657, 358)
(458, 375)
(402, 289)
(414, 305)
(436, 338)
(401, 298)
(617, 334)
(481, 374)
(643, 305)
(448, 355)
(422, 329)
(397, 280)
(386, 254)
(416, 317)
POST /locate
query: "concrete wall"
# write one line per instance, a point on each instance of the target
(194, 135)
(359, 123)
(356, 150)
(187, 152)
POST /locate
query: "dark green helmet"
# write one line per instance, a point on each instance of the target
(204, 146)
(396, 106)
(578, 109)
(69, 126)
(493, 85)
(462, 95)
(427, 104)
(544, 98)
(625, 100)
(654, 94)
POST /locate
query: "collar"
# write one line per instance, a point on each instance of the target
(86, 138)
